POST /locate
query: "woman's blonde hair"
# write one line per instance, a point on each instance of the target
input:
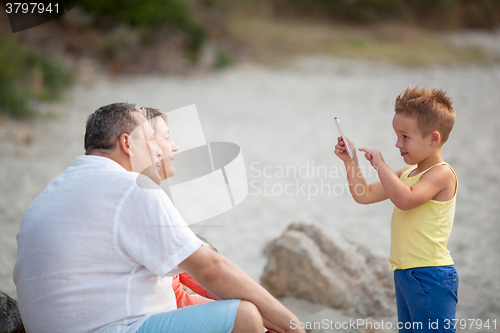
(151, 114)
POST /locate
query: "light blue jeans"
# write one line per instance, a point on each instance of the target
(213, 317)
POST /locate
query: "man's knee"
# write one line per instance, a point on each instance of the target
(248, 318)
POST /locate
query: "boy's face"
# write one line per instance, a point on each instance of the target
(412, 146)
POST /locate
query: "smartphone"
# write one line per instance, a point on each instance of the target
(348, 148)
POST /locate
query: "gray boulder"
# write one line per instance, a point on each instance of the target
(330, 270)
(10, 318)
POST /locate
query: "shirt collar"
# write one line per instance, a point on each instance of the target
(98, 161)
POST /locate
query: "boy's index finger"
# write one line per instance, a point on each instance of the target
(363, 149)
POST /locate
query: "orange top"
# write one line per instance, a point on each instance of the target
(182, 298)
(189, 282)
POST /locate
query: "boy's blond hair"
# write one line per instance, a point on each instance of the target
(432, 108)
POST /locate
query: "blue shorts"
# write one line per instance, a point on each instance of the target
(213, 317)
(426, 298)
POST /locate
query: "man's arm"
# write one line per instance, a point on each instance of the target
(361, 192)
(228, 281)
(404, 197)
(191, 283)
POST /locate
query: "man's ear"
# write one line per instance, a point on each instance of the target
(435, 138)
(124, 143)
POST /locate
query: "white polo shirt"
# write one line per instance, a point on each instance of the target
(96, 251)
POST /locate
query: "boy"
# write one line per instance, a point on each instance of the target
(425, 278)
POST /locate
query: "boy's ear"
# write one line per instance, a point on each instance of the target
(435, 138)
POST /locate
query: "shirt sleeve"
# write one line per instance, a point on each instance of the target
(149, 230)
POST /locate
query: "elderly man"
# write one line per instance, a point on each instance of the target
(97, 248)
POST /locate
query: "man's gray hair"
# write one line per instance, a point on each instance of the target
(106, 124)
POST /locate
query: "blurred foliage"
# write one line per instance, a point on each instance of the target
(26, 75)
(223, 59)
(437, 14)
(149, 14)
(272, 40)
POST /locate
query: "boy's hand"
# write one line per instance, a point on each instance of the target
(341, 151)
(374, 156)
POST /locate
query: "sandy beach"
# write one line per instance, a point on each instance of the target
(282, 118)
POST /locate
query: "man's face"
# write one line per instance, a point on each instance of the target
(144, 152)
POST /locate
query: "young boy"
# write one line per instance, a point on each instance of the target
(424, 195)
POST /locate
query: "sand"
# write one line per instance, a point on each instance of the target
(282, 117)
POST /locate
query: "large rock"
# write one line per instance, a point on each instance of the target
(10, 318)
(329, 270)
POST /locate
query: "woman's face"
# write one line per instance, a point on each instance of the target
(168, 147)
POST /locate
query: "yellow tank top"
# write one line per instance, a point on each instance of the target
(419, 236)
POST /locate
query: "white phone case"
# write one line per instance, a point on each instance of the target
(348, 148)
